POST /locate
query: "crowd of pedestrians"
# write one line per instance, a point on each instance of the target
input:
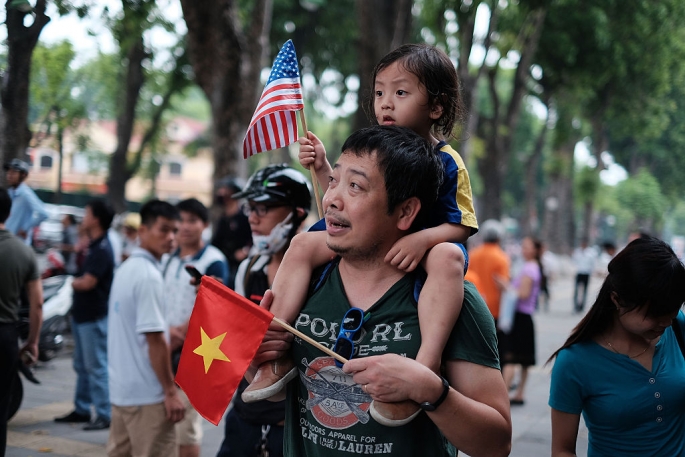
(385, 280)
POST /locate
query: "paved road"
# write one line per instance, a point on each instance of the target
(32, 431)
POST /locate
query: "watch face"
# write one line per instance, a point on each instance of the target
(427, 406)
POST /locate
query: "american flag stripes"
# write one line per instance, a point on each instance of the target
(274, 123)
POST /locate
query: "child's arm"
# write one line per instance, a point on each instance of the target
(306, 252)
(313, 152)
(409, 250)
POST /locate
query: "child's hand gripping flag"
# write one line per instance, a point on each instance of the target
(274, 123)
(224, 333)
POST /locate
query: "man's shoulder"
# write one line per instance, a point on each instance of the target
(10, 243)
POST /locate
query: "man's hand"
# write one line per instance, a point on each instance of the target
(407, 252)
(174, 406)
(393, 378)
(29, 353)
(177, 336)
(277, 340)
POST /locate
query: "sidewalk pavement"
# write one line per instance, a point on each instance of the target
(32, 431)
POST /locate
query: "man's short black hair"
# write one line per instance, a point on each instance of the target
(194, 206)
(408, 163)
(71, 218)
(157, 208)
(5, 205)
(103, 212)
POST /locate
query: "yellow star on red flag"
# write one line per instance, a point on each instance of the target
(210, 350)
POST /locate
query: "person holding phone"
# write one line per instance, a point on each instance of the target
(278, 201)
(180, 292)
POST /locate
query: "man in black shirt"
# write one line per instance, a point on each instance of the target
(89, 321)
(21, 272)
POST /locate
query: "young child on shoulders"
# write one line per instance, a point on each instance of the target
(415, 86)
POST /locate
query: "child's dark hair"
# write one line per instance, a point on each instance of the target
(647, 273)
(157, 208)
(103, 212)
(438, 75)
(194, 206)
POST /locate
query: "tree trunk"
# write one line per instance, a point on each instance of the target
(558, 228)
(60, 150)
(494, 165)
(529, 222)
(14, 93)
(227, 62)
(119, 171)
(383, 26)
(469, 81)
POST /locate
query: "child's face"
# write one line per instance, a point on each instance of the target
(400, 99)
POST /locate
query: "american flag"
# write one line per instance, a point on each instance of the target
(274, 123)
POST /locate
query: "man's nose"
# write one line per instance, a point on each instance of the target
(330, 198)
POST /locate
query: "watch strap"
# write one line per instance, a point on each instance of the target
(427, 406)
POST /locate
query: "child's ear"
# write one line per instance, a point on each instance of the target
(436, 111)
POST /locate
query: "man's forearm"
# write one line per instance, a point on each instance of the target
(160, 359)
(34, 290)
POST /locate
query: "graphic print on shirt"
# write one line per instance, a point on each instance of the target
(333, 397)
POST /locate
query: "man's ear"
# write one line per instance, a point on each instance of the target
(408, 210)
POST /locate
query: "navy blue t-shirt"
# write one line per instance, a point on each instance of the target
(92, 305)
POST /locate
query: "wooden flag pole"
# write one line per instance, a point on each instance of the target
(315, 181)
(319, 346)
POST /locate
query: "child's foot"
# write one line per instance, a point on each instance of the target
(270, 379)
(394, 414)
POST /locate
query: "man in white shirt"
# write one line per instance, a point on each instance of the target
(145, 400)
(180, 298)
(584, 259)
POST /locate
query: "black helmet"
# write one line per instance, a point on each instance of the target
(278, 184)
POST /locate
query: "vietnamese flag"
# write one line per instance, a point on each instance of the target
(224, 333)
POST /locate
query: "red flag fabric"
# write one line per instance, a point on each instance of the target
(224, 333)
(274, 123)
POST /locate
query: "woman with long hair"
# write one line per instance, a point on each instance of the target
(518, 347)
(622, 366)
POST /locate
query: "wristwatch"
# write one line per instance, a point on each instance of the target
(428, 406)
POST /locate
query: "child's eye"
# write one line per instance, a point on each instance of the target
(401, 92)
(379, 93)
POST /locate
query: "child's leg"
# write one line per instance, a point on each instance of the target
(439, 306)
(440, 301)
(307, 251)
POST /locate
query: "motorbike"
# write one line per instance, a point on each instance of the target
(57, 299)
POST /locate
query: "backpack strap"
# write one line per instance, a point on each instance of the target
(320, 274)
(248, 270)
(678, 335)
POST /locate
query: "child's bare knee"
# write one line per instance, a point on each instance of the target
(445, 258)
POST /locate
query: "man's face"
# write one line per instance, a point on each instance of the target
(190, 229)
(158, 238)
(89, 221)
(13, 177)
(356, 209)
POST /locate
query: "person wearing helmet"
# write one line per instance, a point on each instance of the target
(232, 233)
(277, 201)
(28, 210)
